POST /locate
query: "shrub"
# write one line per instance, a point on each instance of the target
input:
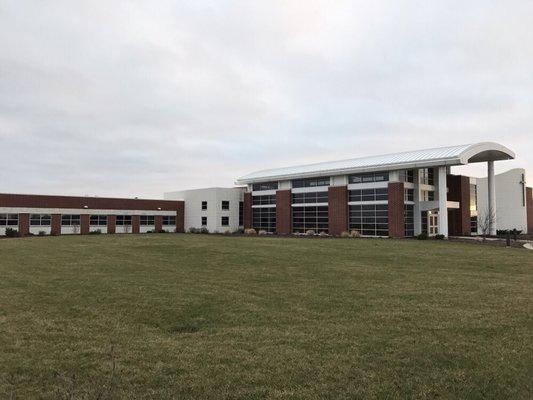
(10, 232)
(162, 231)
(323, 234)
(193, 230)
(422, 236)
(310, 232)
(439, 237)
(345, 234)
(262, 232)
(355, 234)
(42, 233)
(250, 231)
(95, 232)
(228, 232)
(205, 231)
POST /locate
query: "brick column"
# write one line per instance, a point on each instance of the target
(180, 217)
(396, 210)
(283, 212)
(84, 222)
(338, 209)
(529, 205)
(55, 229)
(459, 219)
(247, 211)
(111, 224)
(158, 223)
(136, 224)
(24, 224)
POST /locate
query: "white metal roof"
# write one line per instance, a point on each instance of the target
(454, 155)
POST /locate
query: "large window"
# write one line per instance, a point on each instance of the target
(9, 219)
(204, 221)
(427, 195)
(204, 205)
(169, 220)
(225, 204)
(427, 176)
(473, 224)
(98, 220)
(147, 220)
(409, 194)
(70, 220)
(473, 198)
(264, 200)
(265, 186)
(311, 182)
(241, 213)
(264, 219)
(409, 219)
(375, 194)
(311, 197)
(407, 175)
(370, 219)
(123, 220)
(369, 177)
(40, 219)
(224, 221)
(310, 218)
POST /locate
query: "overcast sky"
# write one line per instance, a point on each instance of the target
(136, 98)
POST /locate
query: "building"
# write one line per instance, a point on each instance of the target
(60, 215)
(216, 209)
(397, 195)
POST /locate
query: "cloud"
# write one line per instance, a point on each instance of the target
(129, 98)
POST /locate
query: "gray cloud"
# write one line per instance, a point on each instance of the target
(137, 98)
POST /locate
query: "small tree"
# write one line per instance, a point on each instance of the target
(486, 220)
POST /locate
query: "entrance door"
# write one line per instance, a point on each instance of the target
(433, 223)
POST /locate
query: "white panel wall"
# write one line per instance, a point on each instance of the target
(214, 197)
(510, 210)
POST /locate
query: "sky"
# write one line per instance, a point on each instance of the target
(136, 98)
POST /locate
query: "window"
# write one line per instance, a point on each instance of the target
(311, 182)
(377, 194)
(147, 220)
(264, 219)
(123, 220)
(264, 200)
(427, 195)
(9, 219)
(265, 186)
(98, 220)
(311, 197)
(225, 205)
(473, 198)
(204, 221)
(241, 213)
(310, 217)
(409, 219)
(40, 219)
(409, 194)
(204, 205)
(427, 176)
(70, 220)
(225, 221)
(369, 177)
(169, 220)
(473, 225)
(407, 175)
(370, 219)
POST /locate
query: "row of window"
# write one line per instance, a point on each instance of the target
(264, 219)
(75, 220)
(409, 219)
(375, 194)
(224, 221)
(264, 200)
(224, 205)
(370, 219)
(310, 218)
(311, 197)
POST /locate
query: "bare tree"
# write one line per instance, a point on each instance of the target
(486, 220)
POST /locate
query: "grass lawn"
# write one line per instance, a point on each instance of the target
(214, 317)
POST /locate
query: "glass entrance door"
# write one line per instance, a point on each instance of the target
(433, 223)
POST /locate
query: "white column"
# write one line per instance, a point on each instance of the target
(492, 198)
(416, 198)
(443, 198)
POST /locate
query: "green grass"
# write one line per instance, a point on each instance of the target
(214, 317)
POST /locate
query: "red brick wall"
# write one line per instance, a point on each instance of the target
(283, 212)
(247, 211)
(180, 217)
(55, 229)
(459, 219)
(24, 224)
(529, 203)
(338, 209)
(135, 224)
(158, 223)
(84, 224)
(111, 224)
(396, 210)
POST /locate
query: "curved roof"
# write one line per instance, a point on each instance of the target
(453, 155)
